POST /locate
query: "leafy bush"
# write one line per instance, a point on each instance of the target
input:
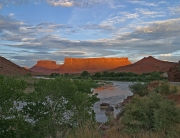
(85, 74)
(55, 75)
(97, 74)
(139, 88)
(54, 106)
(151, 113)
(11, 91)
(165, 89)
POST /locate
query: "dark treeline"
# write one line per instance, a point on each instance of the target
(118, 76)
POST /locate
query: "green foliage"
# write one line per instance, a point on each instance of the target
(85, 74)
(151, 113)
(105, 74)
(54, 75)
(129, 76)
(155, 75)
(28, 75)
(11, 122)
(97, 74)
(138, 88)
(54, 106)
(165, 89)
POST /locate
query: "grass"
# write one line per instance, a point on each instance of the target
(86, 130)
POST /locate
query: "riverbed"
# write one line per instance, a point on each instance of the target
(113, 93)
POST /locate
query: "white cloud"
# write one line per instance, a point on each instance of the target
(143, 3)
(70, 53)
(166, 55)
(77, 3)
(175, 10)
(64, 3)
(11, 14)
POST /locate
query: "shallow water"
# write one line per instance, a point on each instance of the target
(113, 94)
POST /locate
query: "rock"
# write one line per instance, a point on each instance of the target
(145, 65)
(109, 110)
(48, 64)
(78, 65)
(174, 73)
(104, 105)
(9, 68)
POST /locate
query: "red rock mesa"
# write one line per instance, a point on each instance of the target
(78, 65)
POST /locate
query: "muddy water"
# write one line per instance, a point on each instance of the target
(113, 94)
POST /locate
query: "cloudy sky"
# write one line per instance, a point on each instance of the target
(31, 30)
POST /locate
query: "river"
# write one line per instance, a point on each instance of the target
(113, 94)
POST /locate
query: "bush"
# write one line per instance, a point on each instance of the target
(85, 74)
(165, 89)
(54, 75)
(53, 107)
(139, 88)
(151, 113)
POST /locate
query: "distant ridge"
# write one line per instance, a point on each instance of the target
(9, 68)
(147, 64)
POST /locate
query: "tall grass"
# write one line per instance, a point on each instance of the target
(87, 130)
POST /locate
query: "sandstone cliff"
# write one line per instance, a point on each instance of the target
(78, 65)
(147, 64)
(45, 67)
(48, 64)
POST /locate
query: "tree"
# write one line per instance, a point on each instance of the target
(97, 74)
(53, 107)
(85, 74)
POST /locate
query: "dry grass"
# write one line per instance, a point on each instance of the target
(87, 130)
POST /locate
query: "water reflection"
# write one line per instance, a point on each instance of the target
(113, 94)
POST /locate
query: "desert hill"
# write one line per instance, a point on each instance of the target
(147, 64)
(78, 65)
(9, 68)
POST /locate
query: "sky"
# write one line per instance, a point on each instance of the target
(32, 30)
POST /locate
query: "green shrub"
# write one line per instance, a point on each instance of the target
(54, 75)
(165, 89)
(85, 74)
(139, 88)
(151, 113)
(53, 106)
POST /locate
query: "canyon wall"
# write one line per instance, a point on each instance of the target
(48, 64)
(78, 65)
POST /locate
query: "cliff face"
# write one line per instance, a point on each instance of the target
(78, 65)
(48, 64)
(174, 73)
(147, 64)
(45, 67)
